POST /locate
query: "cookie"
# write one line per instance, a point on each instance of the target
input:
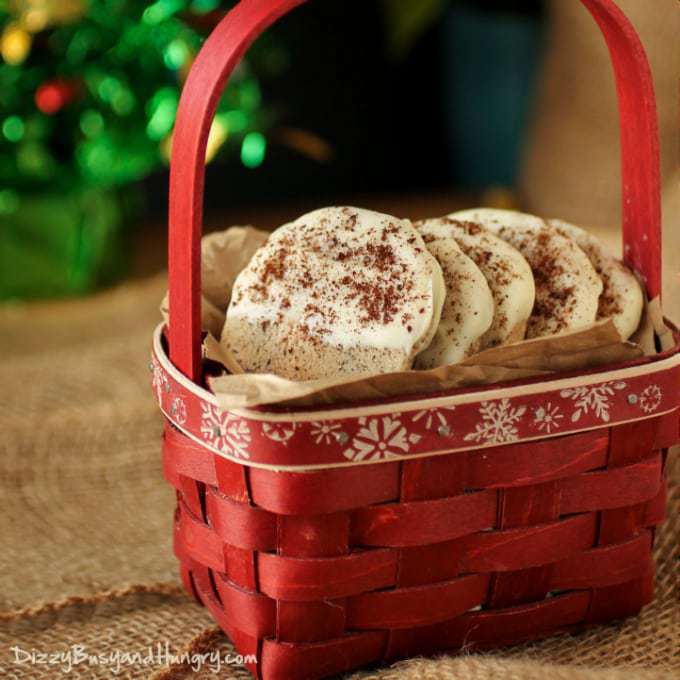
(622, 300)
(509, 277)
(340, 291)
(567, 286)
(469, 306)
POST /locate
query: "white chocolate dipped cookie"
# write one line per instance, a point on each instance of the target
(622, 300)
(508, 275)
(567, 286)
(469, 307)
(339, 291)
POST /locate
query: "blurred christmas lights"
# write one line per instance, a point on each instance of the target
(15, 44)
(52, 96)
(253, 149)
(91, 95)
(13, 128)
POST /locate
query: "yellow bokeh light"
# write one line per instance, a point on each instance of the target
(218, 135)
(166, 148)
(15, 44)
(37, 15)
(219, 132)
(35, 20)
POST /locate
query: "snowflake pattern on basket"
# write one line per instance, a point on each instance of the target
(498, 424)
(592, 399)
(432, 417)
(224, 431)
(381, 438)
(178, 411)
(324, 432)
(650, 398)
(159, 380)
(279, 432)
(472, 423)
(547, 418)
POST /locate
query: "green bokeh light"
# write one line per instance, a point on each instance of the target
(162, 110)
(176, 54)
(91, 123)
(13, 128)
(253, 149)
(98, 156)
(161, 10)
(123, 102)
(109, 88)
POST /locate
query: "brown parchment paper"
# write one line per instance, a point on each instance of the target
(225, 254)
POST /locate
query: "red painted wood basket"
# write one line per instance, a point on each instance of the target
(326, 540)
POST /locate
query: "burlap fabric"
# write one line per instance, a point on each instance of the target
(85, 526)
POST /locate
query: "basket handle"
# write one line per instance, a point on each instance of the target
(224, 49)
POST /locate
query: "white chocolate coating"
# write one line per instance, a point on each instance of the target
(469, 306)
(622, 298)
(509, 277)
(338, 291)
(567, 286)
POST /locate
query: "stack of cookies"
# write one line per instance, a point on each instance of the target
(345, 291)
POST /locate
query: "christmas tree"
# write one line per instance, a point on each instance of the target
(88, 95)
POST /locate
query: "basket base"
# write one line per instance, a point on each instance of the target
(568, 612)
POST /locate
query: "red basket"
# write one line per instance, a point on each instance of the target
(326, 540)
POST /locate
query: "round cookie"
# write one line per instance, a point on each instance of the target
(339, 291)
(469, 307)
(622, 298)
(567, 286)
(509, 277)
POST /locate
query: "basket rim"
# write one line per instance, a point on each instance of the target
(456, 396)
(301, 441)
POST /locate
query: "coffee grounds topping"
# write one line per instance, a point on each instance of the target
(343, 268)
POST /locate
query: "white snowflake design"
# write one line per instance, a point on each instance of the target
(381, 438)
(324, 432)
(225, 432)
(650, 399)
(178, 411)
(547, 418)
(432, 417)
(159, 380)
(592, 399)
(279, 432)
(498, 424)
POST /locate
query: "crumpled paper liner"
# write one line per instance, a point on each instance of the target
(225, 254)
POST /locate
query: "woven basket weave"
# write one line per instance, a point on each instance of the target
(323, 541)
